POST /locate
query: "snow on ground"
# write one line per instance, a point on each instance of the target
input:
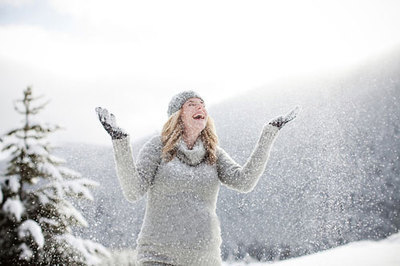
(364, 253)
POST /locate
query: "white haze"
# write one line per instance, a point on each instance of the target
(132, 56)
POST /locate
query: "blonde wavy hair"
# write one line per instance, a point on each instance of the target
(172, 132)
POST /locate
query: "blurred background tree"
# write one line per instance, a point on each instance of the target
(36, 209)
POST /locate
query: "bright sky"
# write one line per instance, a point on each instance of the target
(132, 56)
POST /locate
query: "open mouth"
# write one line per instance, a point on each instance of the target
(198, 117)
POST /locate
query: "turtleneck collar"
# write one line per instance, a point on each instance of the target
(192, 156)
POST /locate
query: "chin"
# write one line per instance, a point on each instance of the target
(197, 125)
(200, 128)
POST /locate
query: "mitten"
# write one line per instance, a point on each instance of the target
(109, 123)
(280, 121)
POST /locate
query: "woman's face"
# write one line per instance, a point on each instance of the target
(194, 115)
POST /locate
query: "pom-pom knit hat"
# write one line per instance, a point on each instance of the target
(179, 99)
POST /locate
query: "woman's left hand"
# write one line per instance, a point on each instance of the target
(280, 121)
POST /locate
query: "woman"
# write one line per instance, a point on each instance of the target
(181, 172)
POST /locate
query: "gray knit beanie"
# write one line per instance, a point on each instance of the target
(178, 100)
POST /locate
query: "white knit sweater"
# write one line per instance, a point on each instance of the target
(180, 225)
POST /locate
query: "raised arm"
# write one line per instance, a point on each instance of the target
(244, 178)
(134, 179)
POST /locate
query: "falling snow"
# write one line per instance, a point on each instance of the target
(328, 194)
(331, 179)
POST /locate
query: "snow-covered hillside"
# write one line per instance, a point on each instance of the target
(364, 253)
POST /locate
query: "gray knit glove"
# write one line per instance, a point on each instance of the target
(280, 121)
(108, 121)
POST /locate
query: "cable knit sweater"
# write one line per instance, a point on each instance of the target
(180, 226)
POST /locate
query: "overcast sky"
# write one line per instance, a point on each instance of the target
(132, 56)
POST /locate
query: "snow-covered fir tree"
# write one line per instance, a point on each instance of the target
(36, 212)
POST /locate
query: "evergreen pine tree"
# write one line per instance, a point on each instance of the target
(36, 213)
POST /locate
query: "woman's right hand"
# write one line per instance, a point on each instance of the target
(280, 121)
(109, 123)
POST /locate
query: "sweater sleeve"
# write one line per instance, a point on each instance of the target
(135, 179)
(244, 178)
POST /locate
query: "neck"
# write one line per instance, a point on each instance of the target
(190, 138)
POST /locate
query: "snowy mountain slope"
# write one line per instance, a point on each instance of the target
(363, 253)
(333, 175)
(331, 179)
